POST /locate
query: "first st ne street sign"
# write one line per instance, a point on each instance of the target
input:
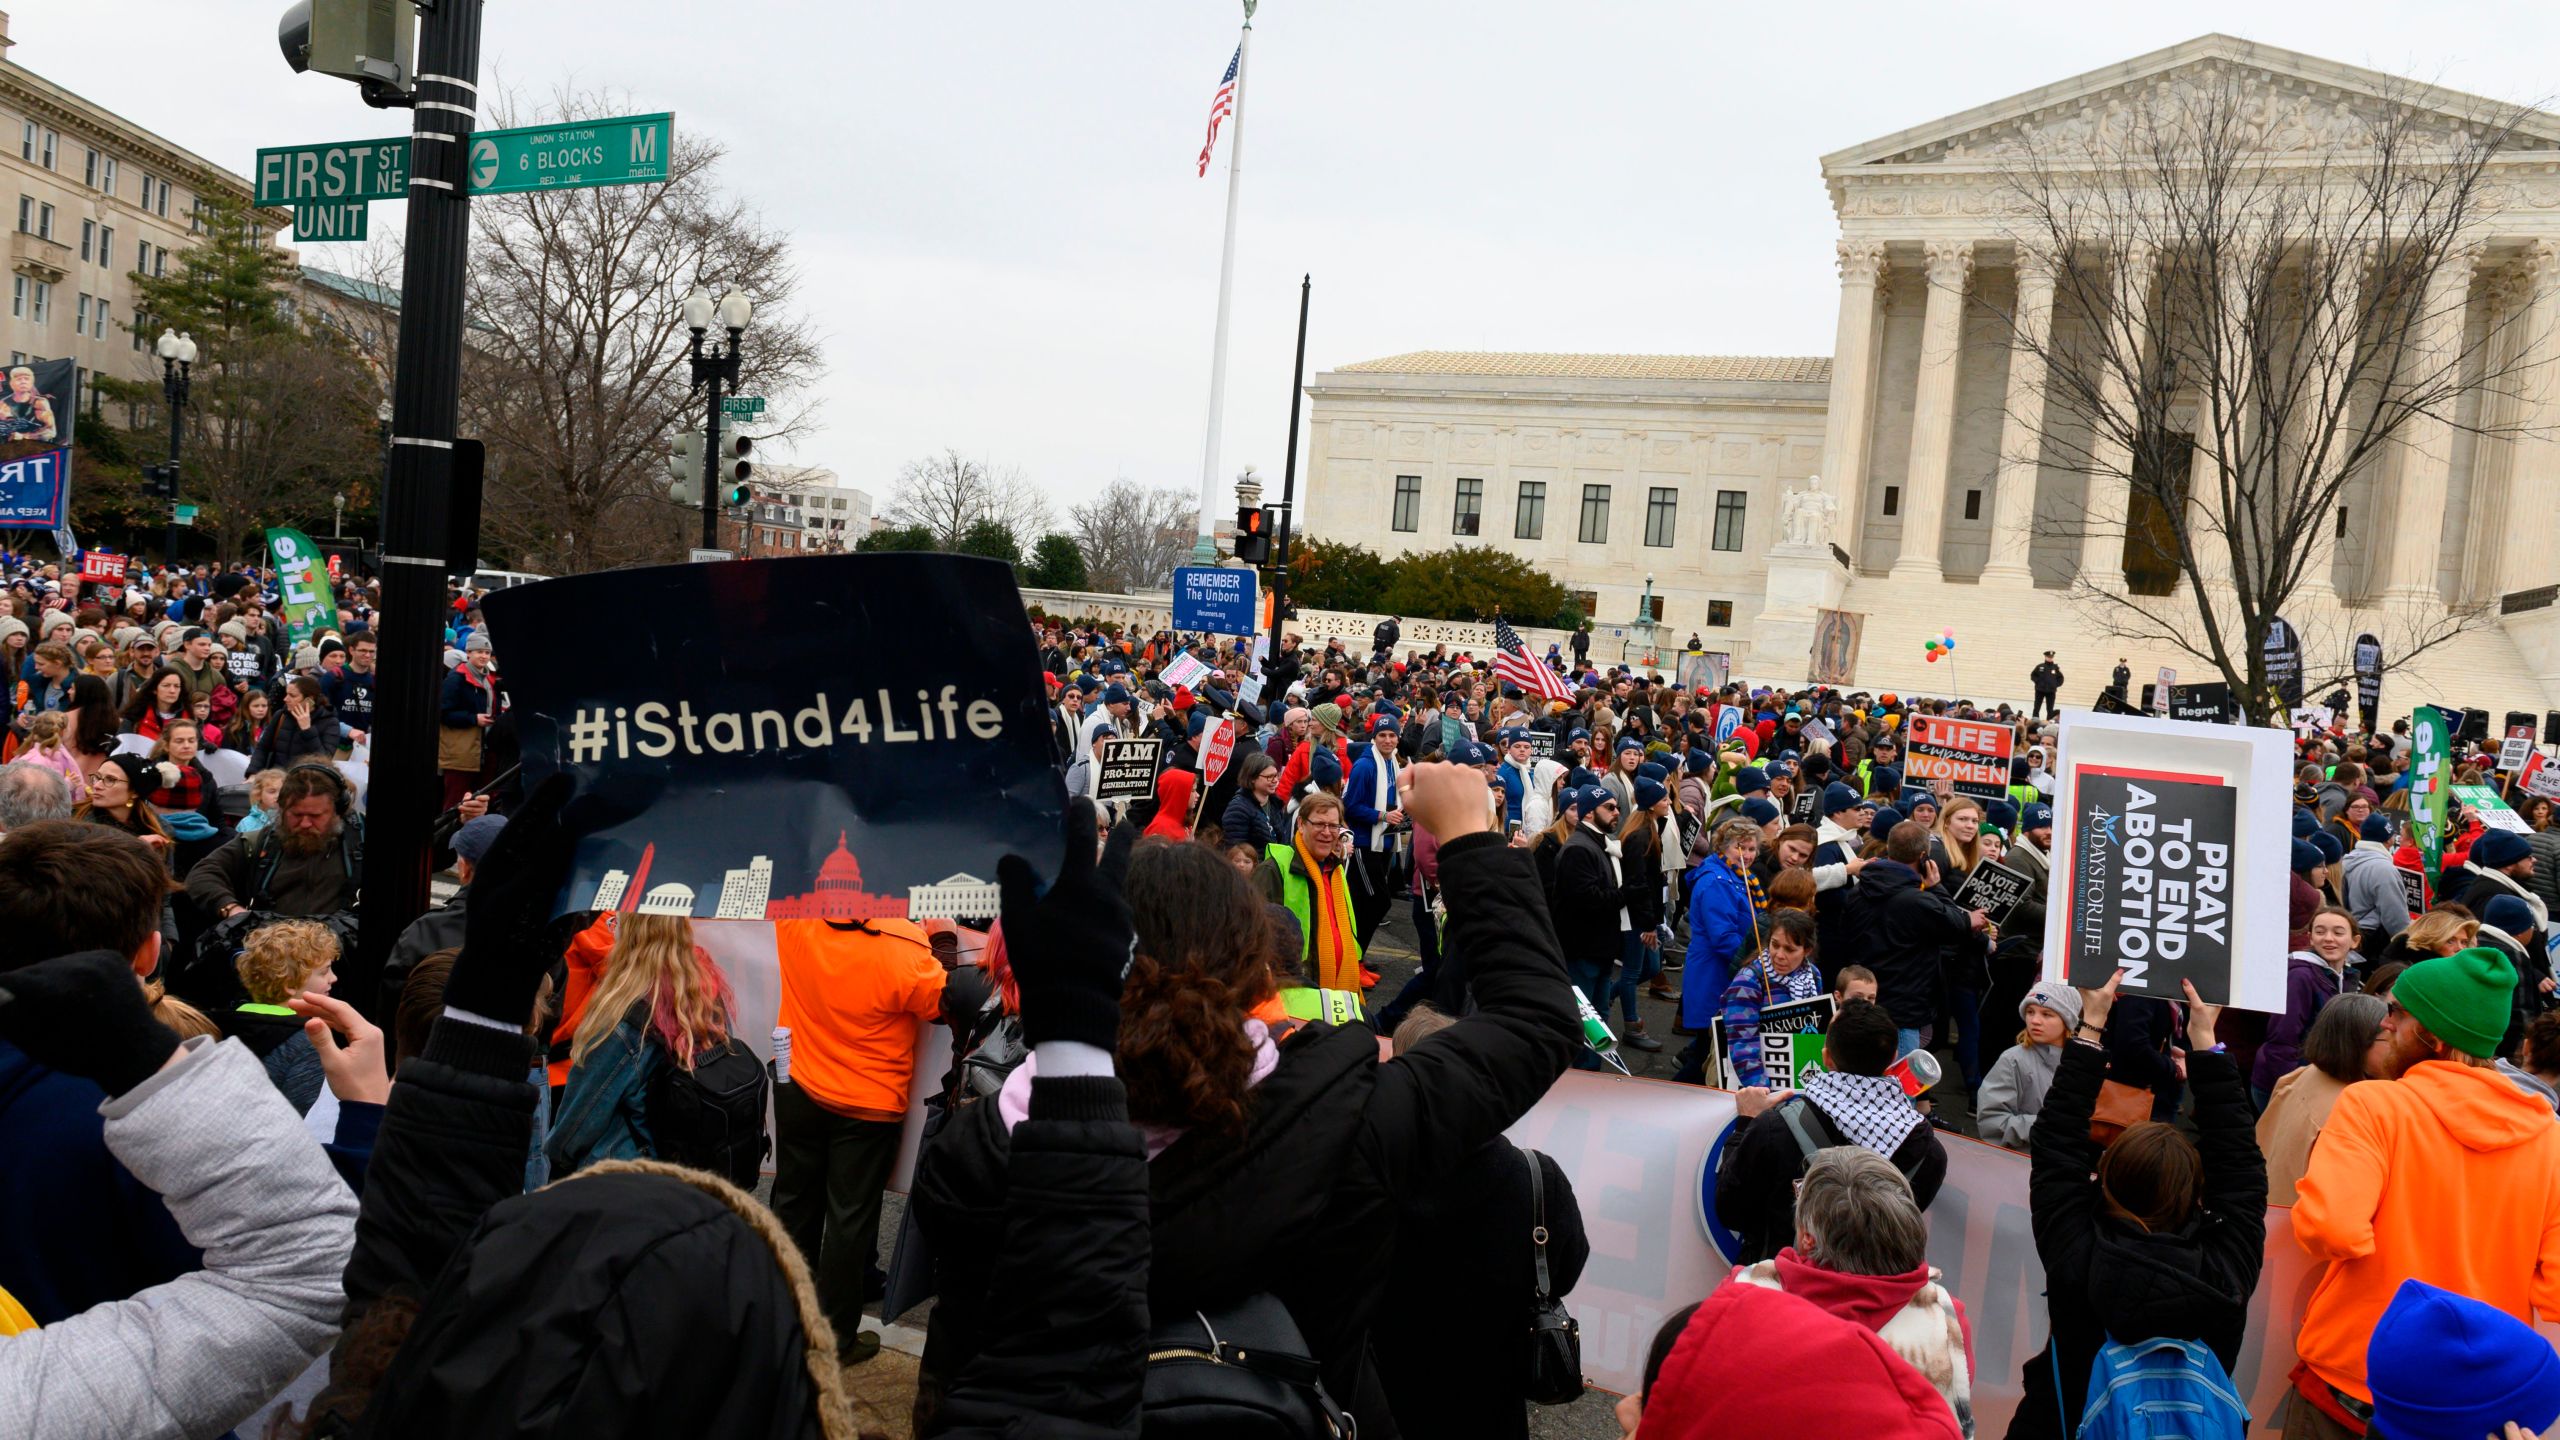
(630, 150)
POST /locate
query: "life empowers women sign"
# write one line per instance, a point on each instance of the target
(2172, 844)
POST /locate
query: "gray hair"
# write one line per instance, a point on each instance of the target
(32, 793)
(2336, 1042)
(1858, 1211)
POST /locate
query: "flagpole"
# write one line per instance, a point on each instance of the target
(1205, 549)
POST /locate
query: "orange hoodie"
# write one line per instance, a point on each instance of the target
(2450, 1175)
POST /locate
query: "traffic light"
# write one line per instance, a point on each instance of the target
(684, 463)
(1253, 534)
(160, 480)
(372, 42)
(734, 468)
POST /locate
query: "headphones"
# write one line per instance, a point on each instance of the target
(344, 792)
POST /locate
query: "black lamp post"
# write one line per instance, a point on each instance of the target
(177, 356)
(714, 369)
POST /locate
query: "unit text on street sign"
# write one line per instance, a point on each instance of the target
(742, 406)
(329, 220)
(628, 150)
(341, 170)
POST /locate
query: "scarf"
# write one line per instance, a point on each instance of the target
(1329, 942)
(1869, 1109)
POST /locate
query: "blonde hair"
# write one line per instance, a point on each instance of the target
(271, 781)
(653, 960)
(279, 958)
(2436, 928)
(46, 727)
(177, 1014)
(1965, 856)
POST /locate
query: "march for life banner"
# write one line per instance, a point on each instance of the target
(821, 737)
(39, 403)
(2171, 846)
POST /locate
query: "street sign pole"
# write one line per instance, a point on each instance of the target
(417, 512)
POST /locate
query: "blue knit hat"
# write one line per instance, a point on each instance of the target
(1886, 818)
(1591, 797)
(1649, 792)
(1758, 811)
(2036, 817)
(1837, 797)
(2331, 848)
(1751, 780)
(2447, 1367)
(2306, 857)
(2497, 849)
(1698, 762)
(2304, 822)
(1629, 742)
(1652, 770)
(2002, 815)
(2377, 828)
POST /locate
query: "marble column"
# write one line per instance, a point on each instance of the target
(2493, 449)
(2108, 501)
(1933, 412)
(1849, 423)
(2336, 328)
(2426, 438)
(2210, 533)
(2013, 489)
(2533, 478)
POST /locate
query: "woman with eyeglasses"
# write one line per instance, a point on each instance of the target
(1311, 877)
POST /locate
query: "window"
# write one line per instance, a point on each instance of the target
(106, 247)
(51, 142)
(1465, 519)
(160, 201)
(98, 320)
(160, 260)
(1408, 502)
(88, 239)
(1719, 614)
(44, 221)
(1589, 600)
(1973, 504)
(42, 312)
(2342, 522)
(27, 140)
(107, 174)
(89, 170)
(18, 297)
(1893, 499)
(1661, 515)
(80, 315)
(26, 214)
(1729, 515)
(1529, 516)
(1595, 514)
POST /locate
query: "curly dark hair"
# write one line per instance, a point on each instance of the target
(1203, 963)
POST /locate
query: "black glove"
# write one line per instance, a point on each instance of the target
(506, 924)
(85, 1015)
(1071, 945)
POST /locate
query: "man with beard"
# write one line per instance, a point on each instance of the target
(310, 863)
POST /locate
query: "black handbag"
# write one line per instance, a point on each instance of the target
(1555, 1337)
(1238, 1372)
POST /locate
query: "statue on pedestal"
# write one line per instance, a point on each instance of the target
(1805, 516)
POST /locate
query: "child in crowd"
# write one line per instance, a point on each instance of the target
(264, 787)
(2013, 1092)
(278, 963)
(1782, 973)
(1854, 982)
(45, 748)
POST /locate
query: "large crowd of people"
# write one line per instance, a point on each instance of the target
(1197, 1165)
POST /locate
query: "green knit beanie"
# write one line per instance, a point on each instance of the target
(2464, 999)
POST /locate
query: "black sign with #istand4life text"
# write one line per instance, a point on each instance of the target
(819, 737)
(1995, 890)
(1129, 768)
(2150, 884)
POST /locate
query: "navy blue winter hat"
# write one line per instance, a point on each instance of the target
(2507, 912)
(1578, 777)
(1114, 695)
(1698, 762)
(1837, 797)
(1590, 798)
(2331, 848)
(2306, 858)
(2036, 817)
(2002, 815)
(1910, 801)
(2304, 822)
(1649, 792)
(1887, 778)
(2447, 1367)
(2377, 828)
(1752, 780)
(1325, 768)
(1886, 818)
(1652, 770)
(2496, 849)
(1629, 742)
(1758, 811)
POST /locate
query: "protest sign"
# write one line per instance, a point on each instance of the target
(1995, 890)
(2283, 654)
(1973, 755)
(2160, 692)
(1250, 692)
(1186, 669)
(1217, 599)
(1805, 807)
(309, 606)
(793, 746)
(2170, 858)
(1217, 747)
(2493, 811)
(38, 410)
(1542, 744)
(2414, 886)
(2540, 776)
(1728, 720)
(2368, 655)
(1129, 768)
(2518, 745)
(1816, 731)
(100, 568)
(2430, 777)
(2208, 704)
(1791, 1037)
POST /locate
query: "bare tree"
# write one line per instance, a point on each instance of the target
(577, 379)
(1132, 536)
(945, 494)
(2237, 309)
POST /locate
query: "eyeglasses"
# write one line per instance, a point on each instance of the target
(1322, 825)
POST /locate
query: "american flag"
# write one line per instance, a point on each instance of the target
(1511, 661)
(1220, 105)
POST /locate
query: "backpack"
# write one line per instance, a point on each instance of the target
(711, 1117)
(1238, 1371)
(2160, 1389)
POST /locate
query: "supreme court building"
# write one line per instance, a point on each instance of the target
(1938, 506)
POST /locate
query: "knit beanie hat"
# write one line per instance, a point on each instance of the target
(2448, 1367)
(2464, 999)
(2306, 858)
(1752, 780)
(1759, 811)
(2331, 848)
(1328, 717)
(50, 621)
(2061, 999)
(2377, 828)
(1885, 819)
(1649, 792)
(2497, 849)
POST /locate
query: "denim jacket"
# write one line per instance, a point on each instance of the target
(604, 1109)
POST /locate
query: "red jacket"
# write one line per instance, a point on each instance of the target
(1837, 1377)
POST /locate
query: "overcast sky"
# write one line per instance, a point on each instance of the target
(1007, 250)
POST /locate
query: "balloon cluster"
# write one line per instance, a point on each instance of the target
(1944, 645)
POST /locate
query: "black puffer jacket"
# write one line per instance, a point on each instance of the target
(1902, 932)
(1304, 1204)
(2106, 1277)
(1589, 898)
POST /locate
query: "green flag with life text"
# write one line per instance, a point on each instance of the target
(2430, 777)
(302, 579)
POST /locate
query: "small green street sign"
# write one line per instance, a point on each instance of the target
(186, 515)
(329, 220)
(630, 150)
(744, 407)
(344, 170)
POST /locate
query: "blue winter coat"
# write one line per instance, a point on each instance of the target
(1722, 925)
(604, 1109)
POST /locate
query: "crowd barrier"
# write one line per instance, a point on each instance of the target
(1640, 1155)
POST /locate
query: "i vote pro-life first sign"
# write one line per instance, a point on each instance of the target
(822, 737)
